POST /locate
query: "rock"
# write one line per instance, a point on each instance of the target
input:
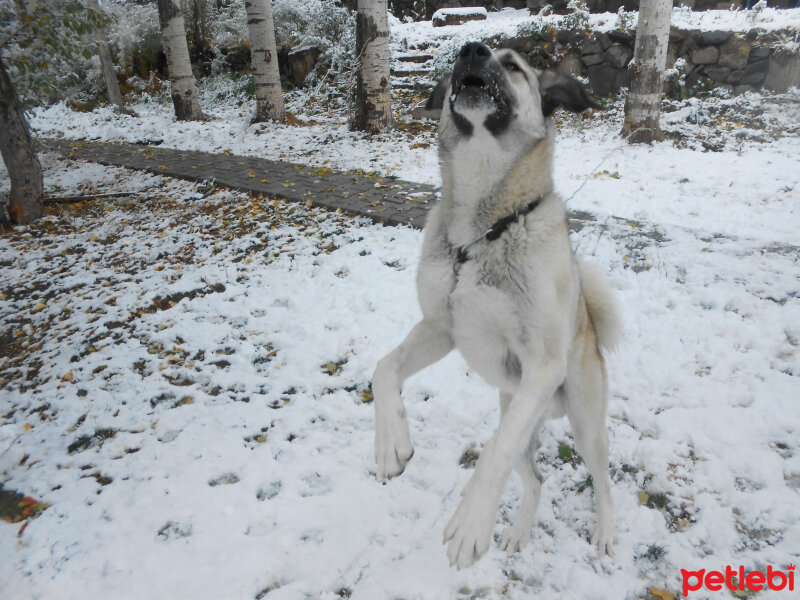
(570, 63)
(604, 40)
(523, 45)
(717, 73)
(734, 53)
(754, 73)
(759, 53)
(602, 78)
(741, 89)
(672, 55)
(592, 46)
(622, 78)
(301, 61)
(713, 38)
(593, 59)
(735, 76)
(620, 37)
(571, 37)
(704, 56)
(783, 71)
(676, 35)
(457, 16)
(619, 56)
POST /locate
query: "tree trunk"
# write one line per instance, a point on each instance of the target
(643, 106)
(181, 79)
(106, 62)
(264, 61)
(373, 102)
(16, 146)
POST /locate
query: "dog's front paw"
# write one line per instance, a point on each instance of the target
(469, 532)
(604, 538)
(516, 538)
(393, 447)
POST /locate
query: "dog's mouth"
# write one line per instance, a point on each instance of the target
(473, 81)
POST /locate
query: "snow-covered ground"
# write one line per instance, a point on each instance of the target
(185, 373)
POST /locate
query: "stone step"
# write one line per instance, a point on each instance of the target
(413, 85)
(413, 58)
(409, 73)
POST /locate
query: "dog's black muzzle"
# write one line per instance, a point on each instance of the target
(478, 80)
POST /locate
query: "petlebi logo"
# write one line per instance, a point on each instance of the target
(738, 580)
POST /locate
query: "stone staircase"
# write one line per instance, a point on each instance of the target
(410, 70)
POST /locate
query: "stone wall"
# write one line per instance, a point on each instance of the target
(424, 9)
(737, 61)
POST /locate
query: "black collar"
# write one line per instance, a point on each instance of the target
(497, 229)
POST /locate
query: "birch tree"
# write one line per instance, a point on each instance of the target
(373, 103)
(264, 61)
(106, 62)
(19, 155)
(181, 79)
(643, 106)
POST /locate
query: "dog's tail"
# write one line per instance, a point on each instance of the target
(602, 305)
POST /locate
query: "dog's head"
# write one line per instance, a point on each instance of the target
(501, 94)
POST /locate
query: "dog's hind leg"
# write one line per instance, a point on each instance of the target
(518, 535)
(469, 532)
(585, 403)
(425, 344)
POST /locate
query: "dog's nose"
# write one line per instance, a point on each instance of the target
(475, 53)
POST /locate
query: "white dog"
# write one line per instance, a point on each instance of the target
(498, 280)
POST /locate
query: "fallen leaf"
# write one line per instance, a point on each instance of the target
(661, 594)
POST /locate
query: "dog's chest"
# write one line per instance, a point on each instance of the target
(487, 328)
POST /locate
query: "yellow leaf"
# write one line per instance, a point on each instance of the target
(251, 174)
(68, 377)
(265, 181)
(27, 427)
(643, 497)
(39, 307)
(661, 594)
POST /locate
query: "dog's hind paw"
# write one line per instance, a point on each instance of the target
(515, 538)
(604, 538)
(393, 447)
(469, 532)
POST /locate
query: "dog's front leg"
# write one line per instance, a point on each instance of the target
(470, 530)
(424, 345)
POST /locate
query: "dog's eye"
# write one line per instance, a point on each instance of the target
(511, 66)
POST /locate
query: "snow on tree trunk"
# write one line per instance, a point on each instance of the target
(373, 103)
(16, 146)
(106, 62)
(181, 79)
(643, 106)
(264, 61)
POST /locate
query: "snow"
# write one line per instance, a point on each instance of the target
(507, 23)
(440, 14)
(241, 464)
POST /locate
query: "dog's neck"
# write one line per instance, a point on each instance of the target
(482, 182)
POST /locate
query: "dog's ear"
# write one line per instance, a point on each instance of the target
(436, 99)
(559, 89)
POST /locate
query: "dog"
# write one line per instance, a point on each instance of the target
(498, 280)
